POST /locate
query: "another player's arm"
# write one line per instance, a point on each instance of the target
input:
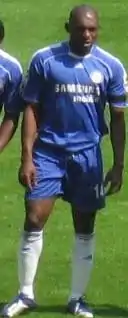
(117, 101)
(12, 107)
(7, 129)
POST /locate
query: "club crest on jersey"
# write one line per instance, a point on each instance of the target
(96, 77)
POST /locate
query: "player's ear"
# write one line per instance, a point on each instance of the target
(2, 31)
(67, 26)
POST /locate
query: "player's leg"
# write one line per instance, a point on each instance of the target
(39, 203)
(37, 213)
(82, 261)
(85, 177)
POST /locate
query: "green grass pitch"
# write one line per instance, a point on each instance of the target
(30, 25)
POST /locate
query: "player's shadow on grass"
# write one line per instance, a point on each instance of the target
(50, 309)
(107, 310)
(104, 310)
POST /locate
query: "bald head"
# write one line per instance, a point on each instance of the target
(82, 27)
(81, 10)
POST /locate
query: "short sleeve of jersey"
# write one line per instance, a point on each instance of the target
(34, 81)
(117, 88)
(13, 102)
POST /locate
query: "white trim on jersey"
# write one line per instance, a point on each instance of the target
(79, 57)
(5, 70)
(47, 48)
(57, 45)
(10, 58)
(111, 56)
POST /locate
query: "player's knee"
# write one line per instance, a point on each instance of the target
(84, 223)
(33, 219)
(89, 228)
(32, 222)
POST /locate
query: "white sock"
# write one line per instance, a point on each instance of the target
(81, 264)
(28, 258)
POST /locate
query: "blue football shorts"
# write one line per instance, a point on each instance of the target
(77, 178)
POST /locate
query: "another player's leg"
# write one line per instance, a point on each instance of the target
(37, 213)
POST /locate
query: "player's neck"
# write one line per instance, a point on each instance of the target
(80, 52)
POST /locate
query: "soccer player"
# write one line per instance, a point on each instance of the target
(10, 100)
(68, 86)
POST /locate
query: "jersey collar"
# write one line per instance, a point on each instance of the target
(70, 53)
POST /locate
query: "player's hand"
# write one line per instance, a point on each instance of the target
(27, 174)
(113, 180)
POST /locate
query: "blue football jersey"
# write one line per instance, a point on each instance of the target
(71, 93)
(10, 81)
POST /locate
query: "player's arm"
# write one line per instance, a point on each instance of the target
(12, 107)
(117, 135)
(31, 96)
(117, 104)
(7, 130)
(28, 131)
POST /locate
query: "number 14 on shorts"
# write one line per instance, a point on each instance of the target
(99, 190)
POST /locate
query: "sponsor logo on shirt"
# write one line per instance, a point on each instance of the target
(80, 93)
